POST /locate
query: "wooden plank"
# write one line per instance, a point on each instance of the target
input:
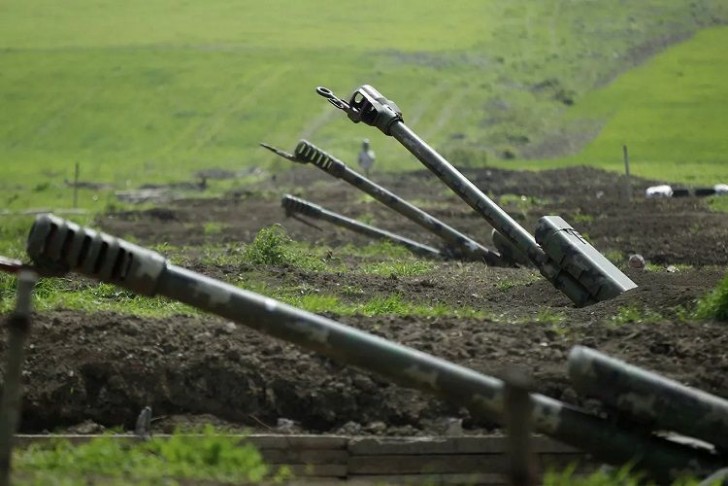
(425, 445)
(303, 456)
(362, 446)
(264, 441)
(319, 470)
(428, 464)
(431, 479)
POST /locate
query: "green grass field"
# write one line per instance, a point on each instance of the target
(672, 113)
(151, 91)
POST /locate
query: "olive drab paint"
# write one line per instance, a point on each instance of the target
(562, 256)
(57, 246)
(458, 245)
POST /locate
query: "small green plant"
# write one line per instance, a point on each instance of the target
(635, 315)
(548, 316)
(269, 246)
(614, 256)
(715, 304)
(211, 228)
(398, 268)
(208, 456)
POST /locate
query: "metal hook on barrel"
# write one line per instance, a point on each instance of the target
(335, 100)
(279, 152)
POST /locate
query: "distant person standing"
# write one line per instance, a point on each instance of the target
(366, 157)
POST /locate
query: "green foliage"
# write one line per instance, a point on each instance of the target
(269, 246)
(670, 113)
(273, 246)
(210, 228)
(715, 304)
(633, 315)
(399, 268)
(205, 457)
(719, 203)
(132, 104)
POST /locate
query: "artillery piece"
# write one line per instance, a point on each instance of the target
(457, 244)
(295, 205)
(57, 246)
(560, 253)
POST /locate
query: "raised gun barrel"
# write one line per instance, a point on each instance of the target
(458, 243)
(647, 397)
(56, 246)
(295, 205)
(566, 259)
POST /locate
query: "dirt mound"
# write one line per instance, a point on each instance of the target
(106, 367)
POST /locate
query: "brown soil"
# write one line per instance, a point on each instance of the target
(105, 367)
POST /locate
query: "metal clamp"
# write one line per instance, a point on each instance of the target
(366, 105)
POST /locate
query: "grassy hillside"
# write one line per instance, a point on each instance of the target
(672, 113)
(150, 91)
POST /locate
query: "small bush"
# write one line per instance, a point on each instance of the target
(269, 246)
(715, 304)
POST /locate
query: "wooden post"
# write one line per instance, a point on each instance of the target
(18, 329)
(628, 180)
(518, 407)
(75, 187)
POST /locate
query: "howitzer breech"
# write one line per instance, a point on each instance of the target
(58, 246)
(648, 397)
(566, 259)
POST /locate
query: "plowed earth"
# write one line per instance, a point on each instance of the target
(105, 367)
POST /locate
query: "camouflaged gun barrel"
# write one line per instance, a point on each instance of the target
(458, 245)
(57, 246)
(295, 205)
(566, 259)
(647, 397)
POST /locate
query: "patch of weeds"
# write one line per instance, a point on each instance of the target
(366, 218)
(165, 248)
(352, 291)
(521, 202)
(206, 457)
(13, 235)
(210, 228)
(548, 316)
(378, 249)
(390, 305)
(718, 203)
(624, 476)
(509, 283)
(714, 305)
(222, 256)
(317, 303)
(365, 199)
(396, 268)
(396, 305)
(461, 156)
(273, 246)
(634, 315)
(614, 256)
(581, 218)
(269, 246)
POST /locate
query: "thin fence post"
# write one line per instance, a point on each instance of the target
(518, 407)
(628, 178)
(75, 186)
(18, 329)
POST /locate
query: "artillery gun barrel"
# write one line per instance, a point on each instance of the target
(300, 206)
(306, 152)
(566, 259)
(648, 397)
(57, 246)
